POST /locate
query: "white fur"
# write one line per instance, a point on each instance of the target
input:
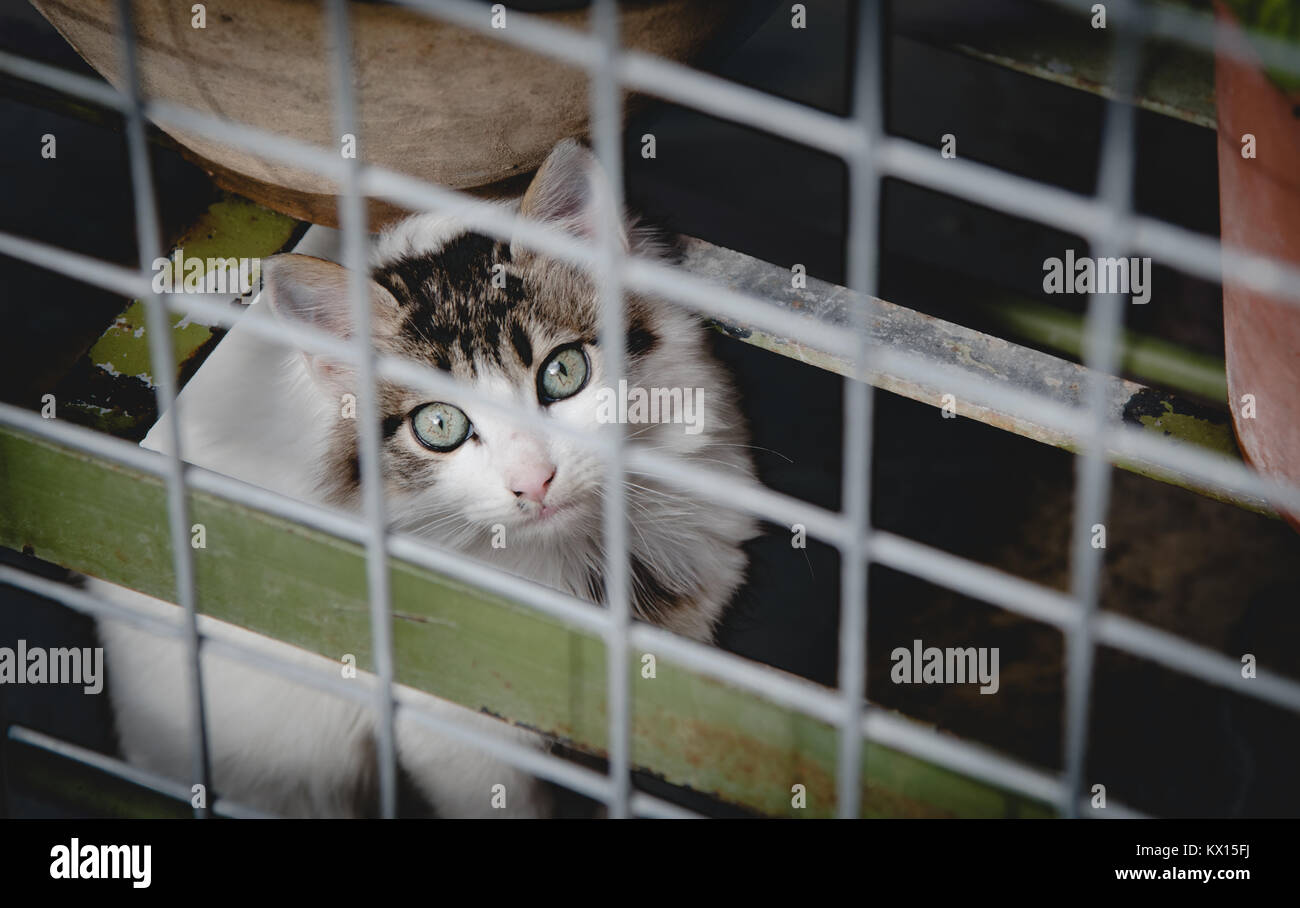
(282, 746)
(253, 412)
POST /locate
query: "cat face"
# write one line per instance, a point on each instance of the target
(514, 325)
(516, 328)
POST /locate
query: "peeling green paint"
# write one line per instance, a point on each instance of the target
(231, 227)
(124, 348)
(1190, 428)
(114, 420)
(235, 226)
(1156, 410)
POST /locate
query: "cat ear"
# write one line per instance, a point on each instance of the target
(311, 290)
(571, 191)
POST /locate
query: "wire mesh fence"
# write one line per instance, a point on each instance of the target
(1107, 220)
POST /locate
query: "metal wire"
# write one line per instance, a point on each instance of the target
(607, 121)
(1102, 327)
(222, 807)
(163, 364)
(859, 400)
(352, 221)
(1107, 220)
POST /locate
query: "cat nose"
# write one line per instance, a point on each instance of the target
(532, 482)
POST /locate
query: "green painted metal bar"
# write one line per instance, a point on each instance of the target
(308, 589)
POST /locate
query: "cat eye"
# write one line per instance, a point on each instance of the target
(440, 427)
(563, 373)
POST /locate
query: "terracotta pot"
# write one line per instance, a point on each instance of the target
(1259, 209)
(436, 101)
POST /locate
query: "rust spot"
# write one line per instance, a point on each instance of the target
(758, 763)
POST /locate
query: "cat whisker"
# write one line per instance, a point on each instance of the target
(696, 460)
(730, 444)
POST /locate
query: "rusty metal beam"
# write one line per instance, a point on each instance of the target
(980, 356)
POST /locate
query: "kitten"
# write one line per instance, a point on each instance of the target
(452, 473)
